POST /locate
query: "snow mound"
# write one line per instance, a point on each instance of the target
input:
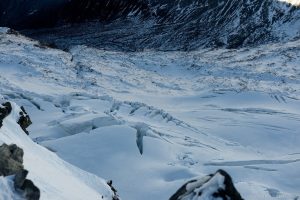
(55, 178)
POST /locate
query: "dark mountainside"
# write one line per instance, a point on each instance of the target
(155, 24)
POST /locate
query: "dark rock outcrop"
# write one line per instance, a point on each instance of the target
(31, 192)
(11, 159)
(24, 120)
(213, 186)
(5, 110)
(11, 163)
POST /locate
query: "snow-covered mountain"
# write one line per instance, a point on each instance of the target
(143, 93)
(159, 24)
(152, 121)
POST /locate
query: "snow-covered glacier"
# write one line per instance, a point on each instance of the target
(152, 120)
(178, 100)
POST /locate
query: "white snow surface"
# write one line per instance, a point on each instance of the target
(188, 113)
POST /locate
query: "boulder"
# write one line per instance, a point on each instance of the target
(215, 186)
(11, 159)
(31, 192)
(11, 163)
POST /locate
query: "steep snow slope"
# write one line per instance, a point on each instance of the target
(55, 178)
(188, 113)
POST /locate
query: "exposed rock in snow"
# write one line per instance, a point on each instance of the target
(24, 120)
(11, 159)
(11, 163)
(30, 191)
(212, 187)
(5, 109)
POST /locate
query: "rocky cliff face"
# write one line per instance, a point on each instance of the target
(166, 24)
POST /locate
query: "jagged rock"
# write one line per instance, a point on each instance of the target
(11, 159)
(31, 192)
(5, 110)
(24, 120)
(11, 163)
(214, 186)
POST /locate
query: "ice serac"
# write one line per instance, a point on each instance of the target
(214, 186)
